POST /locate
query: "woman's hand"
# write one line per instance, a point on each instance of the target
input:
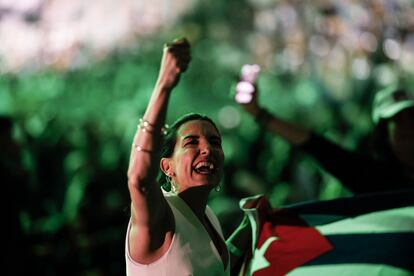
(246, 90)
(253, 106)
(175, 60)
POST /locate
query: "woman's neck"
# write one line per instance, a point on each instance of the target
(196, 198)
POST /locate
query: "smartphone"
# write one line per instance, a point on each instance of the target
(245, 87)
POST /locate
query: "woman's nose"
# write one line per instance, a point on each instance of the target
(205, 148)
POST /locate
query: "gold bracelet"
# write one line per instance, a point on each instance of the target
(146, 126)
(164, 129)
(139, 148)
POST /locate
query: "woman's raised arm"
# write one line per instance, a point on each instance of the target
(152, 225)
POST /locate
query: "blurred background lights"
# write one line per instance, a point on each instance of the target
(368, 41)
(392, 48)
(266, 21)
(319, 45)
(59, 31)
(407, 60)
(385, 75)
(229, 117)
(361, 68)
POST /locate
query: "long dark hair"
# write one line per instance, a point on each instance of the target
(170, 139)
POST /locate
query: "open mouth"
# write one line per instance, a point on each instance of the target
(205, 167)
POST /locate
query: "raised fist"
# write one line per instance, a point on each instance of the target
(175, 60)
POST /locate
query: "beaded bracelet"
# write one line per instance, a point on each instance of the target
(139, 148)
(146, 126)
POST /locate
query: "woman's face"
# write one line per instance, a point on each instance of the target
(198, 156)
(401, 134)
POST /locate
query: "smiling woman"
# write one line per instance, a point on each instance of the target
(174, 231)
(210, 165)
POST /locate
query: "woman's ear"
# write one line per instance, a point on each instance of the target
(166, 166)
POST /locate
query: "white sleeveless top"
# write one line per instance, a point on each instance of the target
(191, 252)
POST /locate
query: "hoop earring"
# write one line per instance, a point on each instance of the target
(173, 188)
(217, 188)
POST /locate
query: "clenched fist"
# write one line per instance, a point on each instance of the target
(175, 60)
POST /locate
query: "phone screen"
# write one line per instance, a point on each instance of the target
(245, 87)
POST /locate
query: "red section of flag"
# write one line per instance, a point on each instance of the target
(296, 243)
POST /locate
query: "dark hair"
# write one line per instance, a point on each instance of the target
(170, 139)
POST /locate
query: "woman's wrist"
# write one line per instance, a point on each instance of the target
(263, 117)
(161, 87)
(252, 109)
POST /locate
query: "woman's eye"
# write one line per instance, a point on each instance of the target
(191, 142)
(216, 142)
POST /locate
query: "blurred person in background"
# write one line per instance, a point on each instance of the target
(391, 165)
(367, 234)
(174, 232)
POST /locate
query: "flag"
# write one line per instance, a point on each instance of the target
(370, 234)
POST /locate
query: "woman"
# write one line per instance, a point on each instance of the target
(174, 233)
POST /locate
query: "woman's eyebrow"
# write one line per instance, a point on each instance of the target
(215, 137)
(193, 136)
(190, 136)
